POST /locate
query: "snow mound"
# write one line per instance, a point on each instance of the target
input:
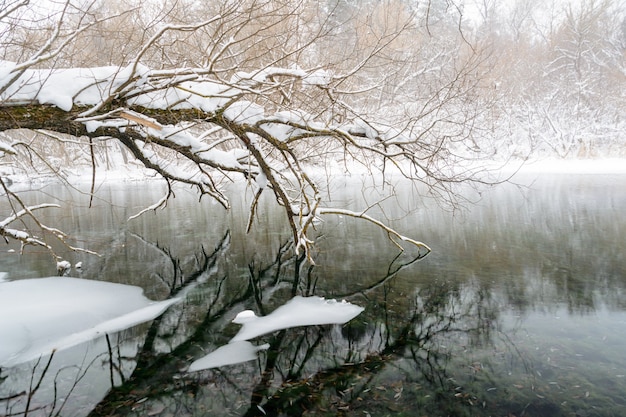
(39, 316)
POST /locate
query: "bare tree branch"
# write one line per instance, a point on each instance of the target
(266, 104)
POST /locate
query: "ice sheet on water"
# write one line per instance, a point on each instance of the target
(38, 316)
(299, 311)
(229, 354)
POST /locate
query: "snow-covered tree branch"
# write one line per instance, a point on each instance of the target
(23, 215)
(252, 91)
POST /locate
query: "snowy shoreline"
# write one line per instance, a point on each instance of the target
(574, 166)
(602, 166)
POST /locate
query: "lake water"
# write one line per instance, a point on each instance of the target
(520, 309)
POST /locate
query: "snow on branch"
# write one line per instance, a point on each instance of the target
(159, 204)
(267, 143)
(393, 234)
(241, 95)
(26, 238)
(263, 113)
(21, 235)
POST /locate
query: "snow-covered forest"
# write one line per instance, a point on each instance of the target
(280, 93)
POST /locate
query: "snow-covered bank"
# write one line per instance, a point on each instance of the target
(496, 171)
(497, 168)
(133, 172)
(574, 166)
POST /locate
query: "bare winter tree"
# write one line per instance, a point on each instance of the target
(559, 73)
(256, 90)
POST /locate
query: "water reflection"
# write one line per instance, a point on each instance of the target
(312, 368)
(304, 369)
(519, 310)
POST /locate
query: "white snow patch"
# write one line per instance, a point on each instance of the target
(39, 316)
(64, 267)
(575, 166)
(318, 77)
(366, 128)
(280, 131)
(261, 180)
(261, 76)
(161, 99)
(65, 87)
(229, 354)
(6, 148)
(208, 96)
(285, 124)
(180, 136)
(244, 112)
(299, 311)
(17, 234)
(5, 69)
(244, 316)
(93, 125)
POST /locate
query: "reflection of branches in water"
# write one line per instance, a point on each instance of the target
(394, 268)
(23, 400)
(180, 285)
(32, 391)
(175, 263)
(152, 375)
(273, 274)
(203, 263)
(305, 368)
(81, 373)
(317, 367)
(436, 315)
(151, 366)
(114, 368)
(413, 344)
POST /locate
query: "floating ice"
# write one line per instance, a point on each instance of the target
(39, 316)
(299, 311)
(230, 354)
